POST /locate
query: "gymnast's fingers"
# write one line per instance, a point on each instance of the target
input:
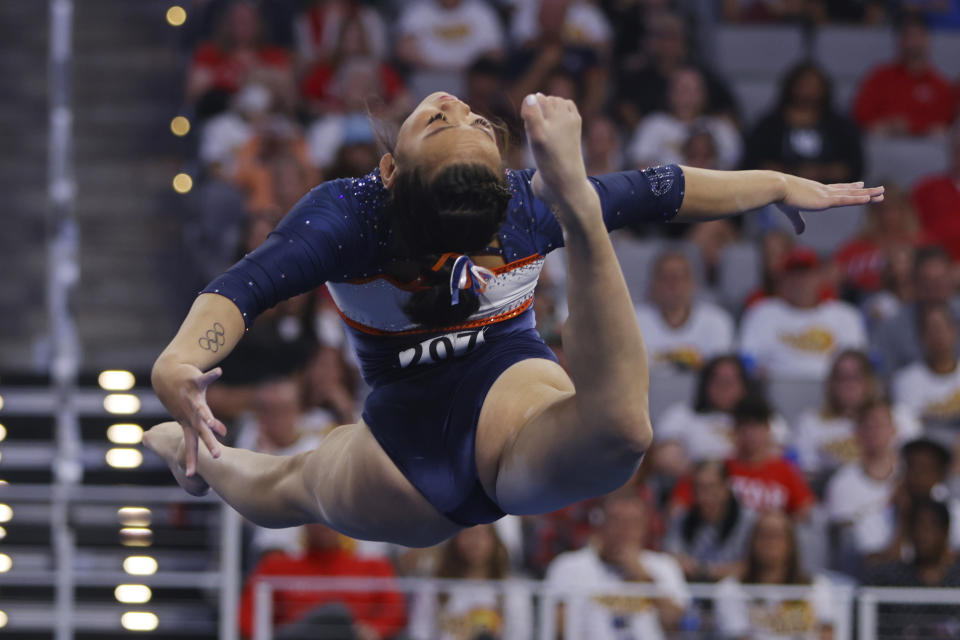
(190, 448)
(206, 424)
(532, 114)
(208, 378)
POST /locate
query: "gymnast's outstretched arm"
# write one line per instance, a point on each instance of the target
(718, 194)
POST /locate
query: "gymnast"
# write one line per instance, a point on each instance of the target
(432, 260)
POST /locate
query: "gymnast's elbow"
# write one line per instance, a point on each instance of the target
(630, 427)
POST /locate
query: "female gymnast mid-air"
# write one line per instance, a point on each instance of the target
(432, 260)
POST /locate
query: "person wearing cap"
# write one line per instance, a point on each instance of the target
(796, 335)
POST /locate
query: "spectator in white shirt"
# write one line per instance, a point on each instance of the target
(795, 336)
(679, 330)
(659, 138)
(824, 437)
(686, 435)
(473, 611)
(618, 558)
(862, 488)
(773, 560)
(448, 34)
(931, 387)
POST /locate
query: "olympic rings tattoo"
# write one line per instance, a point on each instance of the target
(213, 339)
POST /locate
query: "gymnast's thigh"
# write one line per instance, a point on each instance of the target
(362, 493)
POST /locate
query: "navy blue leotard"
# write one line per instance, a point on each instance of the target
(428, 386)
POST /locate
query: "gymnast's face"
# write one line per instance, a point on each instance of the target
(440, 131)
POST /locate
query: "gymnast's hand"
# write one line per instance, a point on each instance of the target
(553, 131)
(809, 195)
(183, 390)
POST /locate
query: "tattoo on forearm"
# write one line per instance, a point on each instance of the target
(213, 339)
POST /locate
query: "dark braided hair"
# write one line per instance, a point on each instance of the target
(457, 211)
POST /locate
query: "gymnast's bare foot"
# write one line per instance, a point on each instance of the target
(166, 439)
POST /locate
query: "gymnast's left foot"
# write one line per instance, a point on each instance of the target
(166, 439)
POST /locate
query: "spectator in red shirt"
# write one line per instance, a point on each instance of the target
(937, 200)
(760, 477)
(237, 54)
(373, 614)
(907, 96)
(890, 225)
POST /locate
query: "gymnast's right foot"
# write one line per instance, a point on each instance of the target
(166, 440)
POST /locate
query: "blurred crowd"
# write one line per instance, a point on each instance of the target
(807, 405)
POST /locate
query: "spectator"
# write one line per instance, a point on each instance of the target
(330, 388)
(236, 55)
(486, 97)
(273, 168)
(890, 225)
(804, 135)
(660, 136)
(602, 152)
(897, 339)
(761, 478)
(882, 535)
(565, 38)
(356, 51)
(447, 34)
(825, 437)
(279, 427)
(931, 387)
(618, 557)
(908, 96)
(709, 539)
(299, 614)
(478, 611)
(937, 200)
(796, 335)
(864, 485)
(774, 559)
(319, 30)
(643, 88)
(897, 291)
(679, 330)
(706, 432)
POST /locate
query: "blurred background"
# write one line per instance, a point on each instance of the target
(805, 391)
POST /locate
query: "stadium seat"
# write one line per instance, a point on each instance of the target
(828, 230)
(945, 51)
(848, 53)
(739, 274)
(669, 386)
(758, 52)
(792, 397)
(904, 160)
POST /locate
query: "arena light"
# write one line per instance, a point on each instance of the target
(3, 533)
(1, 402)
(3, 433)
(136, 537)
(125, 433)
(132, 593)
(5, 563)
(2, 482)
(134, 516)
(180, 126)
(121, 403)
(182, 183)
(6, 513)
(140, 565)
(116, 380)
(123, 458)
(139, 621)
(176, 16)
(3, 619)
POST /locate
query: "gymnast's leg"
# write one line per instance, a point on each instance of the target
(348, 483)
(541, 445)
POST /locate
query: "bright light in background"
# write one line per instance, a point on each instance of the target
(6, 513)
(3, 619)
(140, 565)
(3, 533)
(134, 516)
(125, 433)
(132, 593)
(136, 537)
(5, 563)
(180, 126)
(182, 183)
(176, 16)
(2, 482)
(122, 458)
(3, 432)
(116, 380)
(1, 402)
(123, 403)
(139, 621)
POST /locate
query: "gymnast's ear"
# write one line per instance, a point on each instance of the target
(388, 170)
